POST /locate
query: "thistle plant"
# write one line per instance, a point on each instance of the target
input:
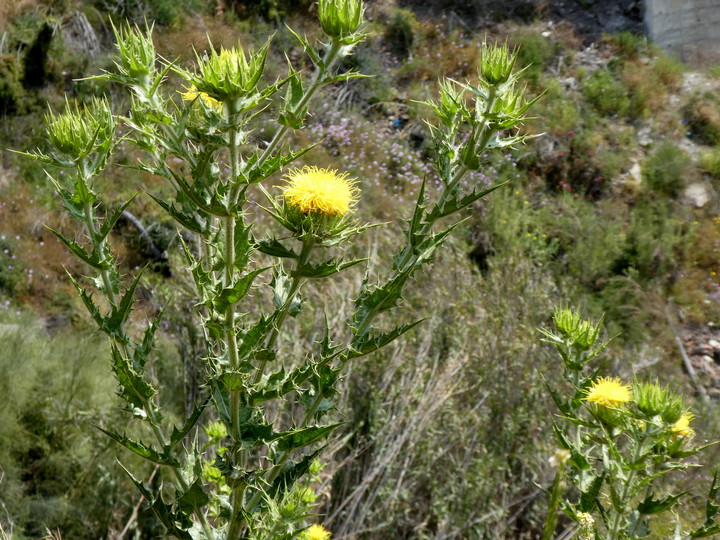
(620, 442)
(236, 468)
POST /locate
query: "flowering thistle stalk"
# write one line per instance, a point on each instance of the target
(236, 468)
(622, 441)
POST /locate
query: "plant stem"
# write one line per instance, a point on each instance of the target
(329, 62)
(237, 523)
(123, 345)
(308, 244)
(99, 247)
(626, 488)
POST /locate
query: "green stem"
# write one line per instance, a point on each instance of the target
(100, 248)
(237, 523)
(331, 59)
(459, 171)
(229, 270)
(123, 345)
(308, 243)
(623, 498)
(275, 472)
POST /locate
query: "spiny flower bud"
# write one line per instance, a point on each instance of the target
(229, 75)
(650, 399)
(215, 431)
(137, 52)
(340, 18)
(496, 63)
(79, 132)
(582, 333)
(674, 410)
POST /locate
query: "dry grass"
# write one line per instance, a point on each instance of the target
(11, 9)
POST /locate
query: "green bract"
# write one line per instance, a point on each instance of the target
(340, 18)
(496, 63)
(229, 75)
(580, 332)
(653, 399)
(136, 53)
(77, 132)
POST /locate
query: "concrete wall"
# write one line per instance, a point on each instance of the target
(687, 29)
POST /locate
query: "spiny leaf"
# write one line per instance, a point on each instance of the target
(179, 434)
(77, 210)
(653, 506)
(93, 309)
(588, 498)
(231, 295)
(243, 245)
(141, 449)
(557, 398)
(325, 269)
(90, 259)
(309, 49)
(576, 456)
(290, 473)
(83, 195)
(213, 207)
(369, 343)
(189, 219)
(459, 203)
(203, 281)
(274, 248)
(272, 164)
(249, 339)
(172, 520)
(193, 499)
(111, 220)
(142, 350)
(133, 387)
(293, 439)
(119, 315)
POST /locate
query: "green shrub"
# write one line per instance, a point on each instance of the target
(400, 32)
(606, 94)
(710, 161)
(12, 98)
(590, 237)
(652, 238)
(162, 12)
(559, 114)
(628, 44)
(666, 168)
(702, 115)
(535, 51)
(57, 469)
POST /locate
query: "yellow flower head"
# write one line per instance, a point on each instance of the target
(609, 392)
(192, 93)
(682, 426)
(316, 532)
(320, 191)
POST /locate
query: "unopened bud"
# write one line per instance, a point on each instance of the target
(340, 18)
(497, 63)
